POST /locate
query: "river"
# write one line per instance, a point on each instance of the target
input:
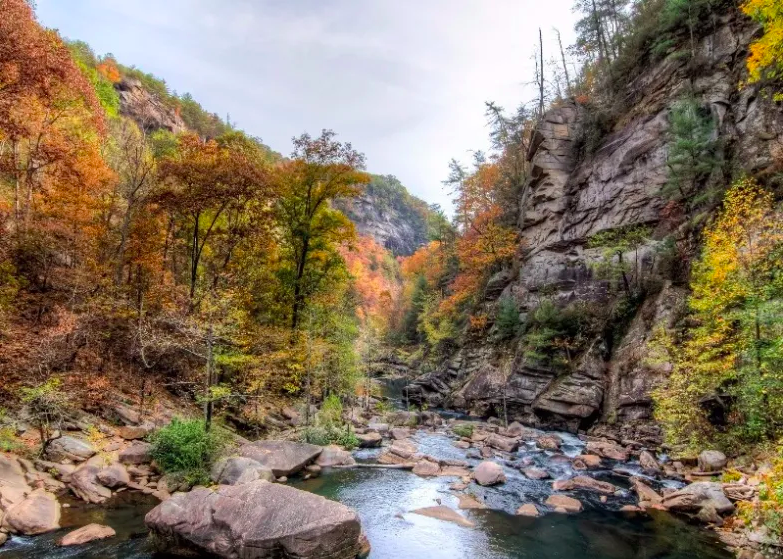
(384, 499)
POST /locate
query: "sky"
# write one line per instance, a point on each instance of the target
(404, 81)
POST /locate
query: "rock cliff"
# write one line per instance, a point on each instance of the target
(572, 197)
(146, 109)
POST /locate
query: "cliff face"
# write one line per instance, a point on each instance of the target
(570, 199)
(390, 215)
(146, 109)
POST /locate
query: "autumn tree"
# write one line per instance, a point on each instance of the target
(320, 171)
(727, 374)
(765, 61)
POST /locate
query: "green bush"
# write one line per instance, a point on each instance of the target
(331, 412)
(463, 430)
(507, 320)
(184, 447)
(326, 435)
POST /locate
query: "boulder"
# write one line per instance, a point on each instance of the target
(587, 462)
(535, 473)
(712, 461)
(37, 514)
(257, 520)
(114, 476)
(516, 429)
(645, 492)
(500, 442)
(69, 448)
(470, 502)
(739, 491)
(136, 454)
(370, 440)
(85, 484)
(607, 449)
(291, 415)
(649, 464)
(586, 483)
(134, 432)
(528, 509)
(379, 427)
(87, 534)
(489, 473)
(284, 458)
(698, 495)
(237, 470)
(443, 512)
(400, 433)
(563, 503)
(11, 472)
(426, 468)
(333, 455)
(549, 442)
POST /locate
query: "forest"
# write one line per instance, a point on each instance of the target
(197, 269)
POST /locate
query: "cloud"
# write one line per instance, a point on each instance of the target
(403, 80)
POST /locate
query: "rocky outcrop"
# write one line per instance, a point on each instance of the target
(282, 457)
(569, 199)
(255, 521)
(146, 109)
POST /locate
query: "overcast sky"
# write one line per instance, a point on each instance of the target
(404, 80)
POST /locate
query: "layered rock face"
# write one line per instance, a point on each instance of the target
(146, 109)
(568, 200)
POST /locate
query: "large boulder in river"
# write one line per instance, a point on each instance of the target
(85, 483)
(697, 496)
(237, 470)
(282, 457)
(499, 442)
(69, 448)
(255, 521)
(369, 440)
(37, 514)
(114, 476)
(712, 461)
(333, 455)
(489, 473)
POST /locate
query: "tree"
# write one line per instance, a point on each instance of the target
(728, 373)
(321, 170)
(692, 152)
(765, 61)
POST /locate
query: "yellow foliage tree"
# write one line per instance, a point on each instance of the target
(765, 60)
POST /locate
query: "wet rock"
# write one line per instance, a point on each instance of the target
(487, 452)
(379, 427)
(535, 473)
(443, 512)
(257, 520)
(333, 455)
(586, 462)
(238, 470)
(645, 492)
(528, 509)
(37, 514)
(370, 440)
(84, 482)
(606, 449)
(563, 503)
(86, 534)
(489, 473)
(586, 483)
(470, 502)
(426, 468)
(698, 495)
(712, 461)
(453, 471)
(649, 464)
(284, 458)
(400, 433)
(549, 442)
(114, 476)
(136, 454)
(505, 444)
(69, 448)
(464, 445)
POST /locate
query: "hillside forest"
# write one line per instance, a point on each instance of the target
(191, 267)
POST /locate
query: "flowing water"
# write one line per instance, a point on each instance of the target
(384, 499)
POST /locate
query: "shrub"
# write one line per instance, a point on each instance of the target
(768, 509)
(326, 435)
(463, 430)
(507, 320)
(331, 412)
(184, 447)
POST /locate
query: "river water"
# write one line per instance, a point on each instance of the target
(384, 499)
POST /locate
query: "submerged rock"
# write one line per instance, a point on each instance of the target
(284, 458)
(528, 509)
(86, 534)
(258, 520)
(443, 512)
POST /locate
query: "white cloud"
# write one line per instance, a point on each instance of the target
(403, 80)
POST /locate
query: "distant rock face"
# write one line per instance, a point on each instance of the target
(146, 109)
(390, 215)
(258, 520)
(568, 199)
